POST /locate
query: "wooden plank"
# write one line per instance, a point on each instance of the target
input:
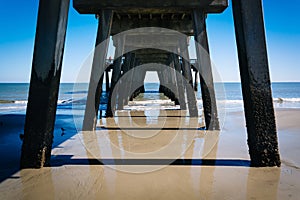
(184, 26)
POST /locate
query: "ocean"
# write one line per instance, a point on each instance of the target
(13, 97)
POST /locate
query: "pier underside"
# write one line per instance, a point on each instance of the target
(155, 34)
(153, 7)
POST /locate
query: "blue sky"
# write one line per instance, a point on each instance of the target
(18, 23)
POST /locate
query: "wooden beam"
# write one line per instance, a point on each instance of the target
(92, 6)
(44, 83)
(98, 68)
(205, 71)
(184, 26)
(256, 86)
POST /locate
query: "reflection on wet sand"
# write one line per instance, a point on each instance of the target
(146, 141)
(207, 173)
(102, 165)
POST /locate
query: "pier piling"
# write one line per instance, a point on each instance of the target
(256, 86)
(205, 71)
(44, 83)
(98, 68)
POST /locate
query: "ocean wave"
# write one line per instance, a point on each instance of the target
(77, 92)
(167, 102)
(147, 102)
(224, 101)
(142, 108)
(275, 100)
(21, 102)
(64, 101)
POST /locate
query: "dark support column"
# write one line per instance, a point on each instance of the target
(187, 73)
(164, 79)
(179, 82)
(256, 86)
(44, 84)
(116, 74)
(107, 80)
(173, 80)
(161, 82)
(126, 67)
(98, 96)
(134, 81)
(140, 80)
(205, 71)
(131, 76)
(160, 78)
(196, 81)
(122, 92)
(126, 74)
(98, 68)
(166, 87)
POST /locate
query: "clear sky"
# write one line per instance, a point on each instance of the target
(18, 23)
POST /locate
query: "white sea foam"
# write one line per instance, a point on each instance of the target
(20, 102)
(60, 101)
(147, 102)
(64, 101)
(142, 108)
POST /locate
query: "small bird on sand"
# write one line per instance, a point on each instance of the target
(62, 131)
(21, 136)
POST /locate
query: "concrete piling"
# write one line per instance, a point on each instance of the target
(205, 71)
(256, 86)
(44, 83)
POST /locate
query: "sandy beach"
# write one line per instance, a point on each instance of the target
(223, 173)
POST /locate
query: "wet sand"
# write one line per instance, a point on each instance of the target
(223, 172)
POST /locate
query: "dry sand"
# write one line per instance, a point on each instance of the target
(72, 177)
